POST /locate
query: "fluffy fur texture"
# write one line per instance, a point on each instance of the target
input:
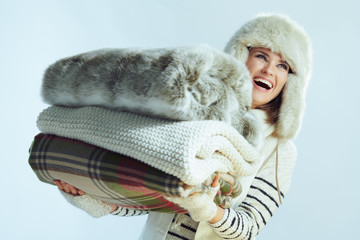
(283, 36)
(193, 83)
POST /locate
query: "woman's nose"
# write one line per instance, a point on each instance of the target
(268, 69)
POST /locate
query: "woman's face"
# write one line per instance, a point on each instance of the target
(269, 73)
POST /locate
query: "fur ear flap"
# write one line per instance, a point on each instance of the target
(292, 109)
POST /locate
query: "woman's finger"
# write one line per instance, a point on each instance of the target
(72, 189)
(58, 184)
(65, 186)
(80, 192)
(216, 180)
(68, 188)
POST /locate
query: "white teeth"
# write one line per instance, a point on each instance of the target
(263, 81)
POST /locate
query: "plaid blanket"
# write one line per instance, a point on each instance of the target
(113, 177)
(116, 178)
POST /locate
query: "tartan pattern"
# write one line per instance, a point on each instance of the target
(122, 180)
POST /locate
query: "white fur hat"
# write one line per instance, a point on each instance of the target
(285, 37)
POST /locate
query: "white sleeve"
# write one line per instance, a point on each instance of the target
(92, 206)
(97, 208)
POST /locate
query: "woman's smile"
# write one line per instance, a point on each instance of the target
(262, 84)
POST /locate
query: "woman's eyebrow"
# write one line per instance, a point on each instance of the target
(263, 53)
(281, 61)
(285, 62)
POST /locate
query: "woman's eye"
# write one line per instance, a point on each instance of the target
(284, 66)
(261, 57)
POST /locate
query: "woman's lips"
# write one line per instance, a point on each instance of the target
(262, 84)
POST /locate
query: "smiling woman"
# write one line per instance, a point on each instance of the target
(269, 73)
(271, 46)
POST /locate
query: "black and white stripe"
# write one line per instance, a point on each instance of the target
(186, 229)
(126, 212)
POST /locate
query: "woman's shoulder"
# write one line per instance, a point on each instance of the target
(288, 146)
(283, 150)
(286, 149)
(287, 154)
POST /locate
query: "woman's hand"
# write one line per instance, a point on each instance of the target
(68, 188)
(201, 206)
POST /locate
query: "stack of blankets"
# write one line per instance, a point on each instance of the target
(134, 160)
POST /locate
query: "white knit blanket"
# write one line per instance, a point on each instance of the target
(189, 150)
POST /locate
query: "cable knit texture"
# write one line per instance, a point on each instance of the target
(184, 149)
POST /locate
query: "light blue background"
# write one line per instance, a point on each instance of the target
(323, 202)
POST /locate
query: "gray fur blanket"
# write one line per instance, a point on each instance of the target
(189, 83)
